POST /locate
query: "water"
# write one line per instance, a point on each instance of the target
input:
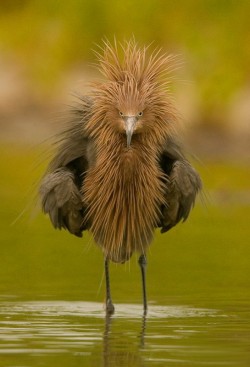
(75, 333)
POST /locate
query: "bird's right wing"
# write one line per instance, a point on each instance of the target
(61, 199)
(60, 188)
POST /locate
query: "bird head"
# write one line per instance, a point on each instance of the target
(134, 99)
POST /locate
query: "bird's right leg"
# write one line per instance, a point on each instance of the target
(110, 309)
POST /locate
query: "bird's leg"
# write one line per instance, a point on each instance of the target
(143, 263)
(110, 309)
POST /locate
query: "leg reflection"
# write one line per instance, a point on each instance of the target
(106, 340)
(143, 330)
(119, 349)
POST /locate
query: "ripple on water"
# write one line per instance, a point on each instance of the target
(96, 310)
(44, 328)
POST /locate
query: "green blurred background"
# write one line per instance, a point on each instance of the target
(45, 55)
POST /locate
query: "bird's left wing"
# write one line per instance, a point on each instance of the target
(183, 184)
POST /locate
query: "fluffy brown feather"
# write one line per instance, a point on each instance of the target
(124, 190)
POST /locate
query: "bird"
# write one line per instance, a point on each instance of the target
(120, 171)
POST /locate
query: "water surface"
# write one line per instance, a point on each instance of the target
(75, 333)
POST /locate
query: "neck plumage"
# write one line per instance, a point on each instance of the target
(123, 193)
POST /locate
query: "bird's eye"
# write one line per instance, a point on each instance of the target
(140, 113)
(120, 113)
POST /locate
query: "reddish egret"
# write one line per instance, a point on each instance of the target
(119, 171)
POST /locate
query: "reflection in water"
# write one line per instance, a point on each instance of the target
(143, 330)
(113, 356)
(60, 333)
(106, 340)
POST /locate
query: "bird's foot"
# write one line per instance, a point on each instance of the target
(110, 308)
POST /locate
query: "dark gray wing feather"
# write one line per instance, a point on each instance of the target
(60, 188)
(72, 142)
(182, 187)
(61, 199)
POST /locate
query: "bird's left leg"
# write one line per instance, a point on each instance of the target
(110, 309)
(143, 263)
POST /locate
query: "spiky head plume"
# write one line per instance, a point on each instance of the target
(137, 84)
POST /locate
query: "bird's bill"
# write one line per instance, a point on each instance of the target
(130, 122)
